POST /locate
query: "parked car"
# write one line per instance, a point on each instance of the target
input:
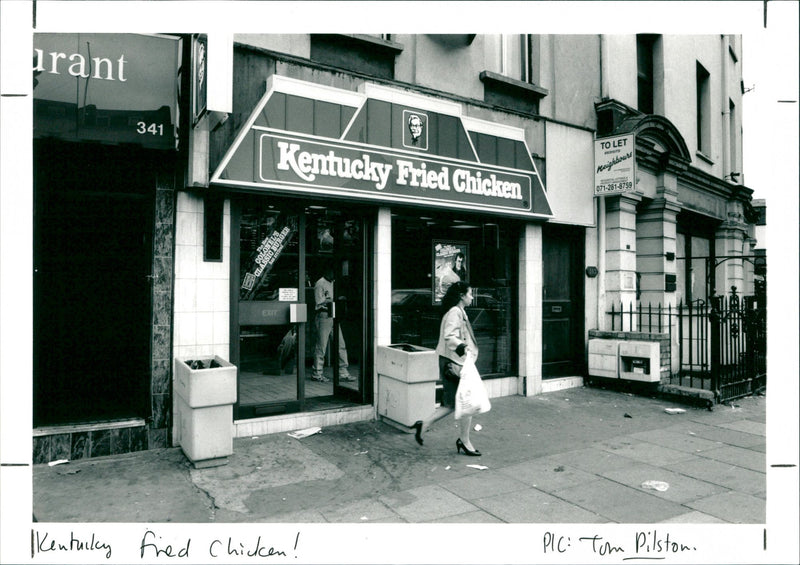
(415, 319)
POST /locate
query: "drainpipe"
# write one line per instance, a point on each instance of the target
(726, 110)
(601, 204)
(601, 262)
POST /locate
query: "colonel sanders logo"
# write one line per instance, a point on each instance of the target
(415, 135)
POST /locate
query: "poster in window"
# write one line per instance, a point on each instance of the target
(450, 264)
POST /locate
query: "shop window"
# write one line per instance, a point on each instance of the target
(703, 111)
(428, 253)
(368, 54)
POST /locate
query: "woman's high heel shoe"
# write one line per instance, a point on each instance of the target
(460, 445)
(418, 434)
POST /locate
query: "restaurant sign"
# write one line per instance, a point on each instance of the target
(305, 163)
(615, 165)
(106, 87)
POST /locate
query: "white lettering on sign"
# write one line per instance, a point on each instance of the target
(408, 174)
(78, 66)
(308, 165)
(465, 181)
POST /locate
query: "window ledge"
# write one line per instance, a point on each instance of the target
(704, 157)
(519, 87)
(371, 40)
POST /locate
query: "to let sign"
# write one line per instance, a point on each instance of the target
(615, 165)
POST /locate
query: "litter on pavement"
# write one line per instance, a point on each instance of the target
(58, 462)
(478, 467)
(674, 410)
(477, 427)
(660, 486)
(300, 434)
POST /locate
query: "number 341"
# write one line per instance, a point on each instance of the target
(143, 128)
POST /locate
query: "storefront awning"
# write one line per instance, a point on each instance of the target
(382, 145)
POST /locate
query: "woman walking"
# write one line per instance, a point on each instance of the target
(456, 340)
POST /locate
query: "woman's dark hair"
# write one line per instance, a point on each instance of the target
(453, 295)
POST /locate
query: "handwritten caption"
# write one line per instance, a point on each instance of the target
(642, 544)
(153, 546)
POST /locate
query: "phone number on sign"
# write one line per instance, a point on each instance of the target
(614, 187)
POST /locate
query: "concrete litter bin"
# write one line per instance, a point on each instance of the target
(206, 392)
(407, 376)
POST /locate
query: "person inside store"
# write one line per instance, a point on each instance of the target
(456, 341)
(323, 320)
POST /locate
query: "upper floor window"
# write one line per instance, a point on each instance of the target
(645, 68)
(733, 137)
(511, 80)
(703, 110)
(515, 57)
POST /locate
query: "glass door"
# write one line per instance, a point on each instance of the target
(335, 298)
(298, 307)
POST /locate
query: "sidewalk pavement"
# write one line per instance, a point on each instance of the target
(582, 455)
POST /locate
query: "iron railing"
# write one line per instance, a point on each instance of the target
(721, 341)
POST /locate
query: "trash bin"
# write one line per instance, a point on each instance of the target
(206, 392)
(407, 376)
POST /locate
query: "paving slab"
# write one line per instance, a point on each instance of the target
(726, 436)
(548, 475)
(681, 489)
(694, 517)
(723, 474)
(749, 426)
(535, 506)
(621, 503)
(483, 483)
(679, 441)
(638, 450)
(739, 456)
(364, 510)
(476, 517)
(426, 503)
(298, 517)
(590, 459)
(734, 507)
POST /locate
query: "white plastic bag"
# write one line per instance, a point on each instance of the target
(471, 396)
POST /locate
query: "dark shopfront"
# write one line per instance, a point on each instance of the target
(105, 164)
(320, 177)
